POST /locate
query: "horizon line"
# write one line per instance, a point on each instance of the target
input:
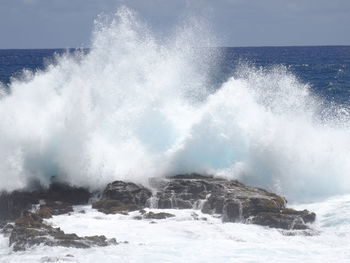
(267, 46)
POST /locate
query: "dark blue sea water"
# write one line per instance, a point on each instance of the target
(12, 62)
(326, 68)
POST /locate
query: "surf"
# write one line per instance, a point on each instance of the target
(136, 106)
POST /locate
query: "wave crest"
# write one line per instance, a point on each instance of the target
(137, 106)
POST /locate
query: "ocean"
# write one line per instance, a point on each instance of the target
(325, 68)
(134, 106)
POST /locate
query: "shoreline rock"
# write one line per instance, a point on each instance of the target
(234, 201)
(122, 197)
(30, 230)
(58, 197)
(161, 215)
(228, 199)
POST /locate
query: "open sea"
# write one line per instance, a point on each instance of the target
(325, 68)
(133, 107)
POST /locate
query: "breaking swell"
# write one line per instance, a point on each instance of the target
(137, 105)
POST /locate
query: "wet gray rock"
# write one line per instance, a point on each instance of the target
(127, 193)
(285, 219)
(152, 215)
(161, 215)
(234, 201)
(122, 197)
(30, 230)
(183, 191)
(50, 209)
(228, 199)
(13, 204)
(58, 198)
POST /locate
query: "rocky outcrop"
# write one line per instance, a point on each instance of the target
(28, 209)
(228, 199)
(13, 204)
(30, 230)
(127, 193)
(152, 215)
(122, 197)
(50, 209)
(58, 198)
(161, 215)
(182, 192)
(285, 219)
(235, 202)
(232, 200)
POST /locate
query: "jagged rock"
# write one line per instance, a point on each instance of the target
(182, 192)
(152, 215)
(56, 197)
(285, 218)
(65, 193)
(235, 201)
(30, 230)
(54, 208)
(229, 199)
(127, 193)
(114, 207)
(280, 220)
(13, 204)
(162, 215)
(122, 197)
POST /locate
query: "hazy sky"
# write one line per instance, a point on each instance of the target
(68, 23)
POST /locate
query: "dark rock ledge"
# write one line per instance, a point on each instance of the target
(22, 214)
(234, 201)
(231, 200)
(57, 199)
(29, 230)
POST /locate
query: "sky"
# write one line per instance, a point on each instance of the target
(68, 23)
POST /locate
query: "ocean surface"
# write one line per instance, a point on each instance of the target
(136, 106)
(325, 68)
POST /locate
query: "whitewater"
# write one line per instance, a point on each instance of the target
(137, 106)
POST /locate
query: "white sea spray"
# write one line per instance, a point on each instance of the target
(138, 106)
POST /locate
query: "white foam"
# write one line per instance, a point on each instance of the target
(185, 239)
(137, 106)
